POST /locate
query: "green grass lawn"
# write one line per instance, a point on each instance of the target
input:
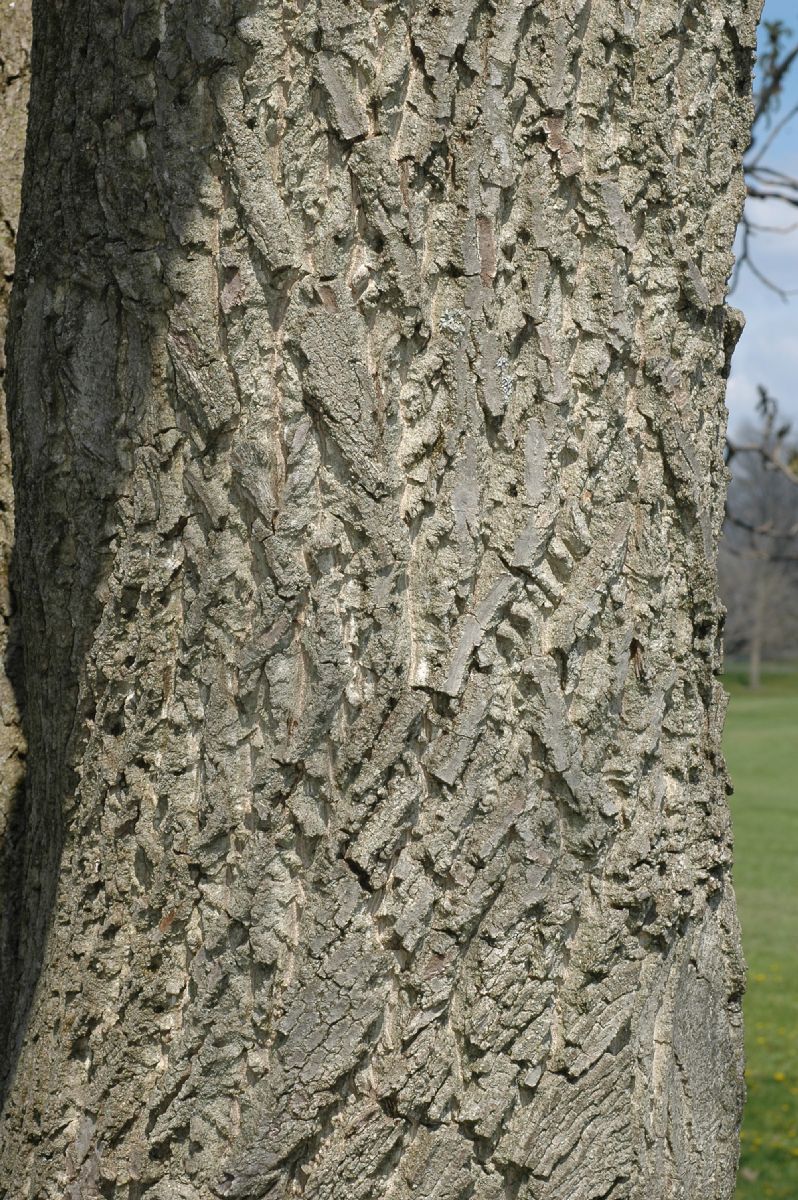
(762, 752)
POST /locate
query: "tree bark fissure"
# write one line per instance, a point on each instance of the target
(366, 392)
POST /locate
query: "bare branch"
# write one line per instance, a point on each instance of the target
(750, 552)
(773, 462)
(765, 530)
(771, 194)
(770, 139)
(745, 259)
(773, 83)
(755, 227)
(763, 181)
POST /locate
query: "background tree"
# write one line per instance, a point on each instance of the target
(366, 391)
(759, 552)
(759, 582)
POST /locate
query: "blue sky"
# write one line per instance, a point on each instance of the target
(768, 350)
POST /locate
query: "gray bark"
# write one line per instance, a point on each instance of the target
(367, 380)
(14, 82)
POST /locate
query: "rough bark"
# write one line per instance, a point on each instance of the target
(14, 81)
(367, 386)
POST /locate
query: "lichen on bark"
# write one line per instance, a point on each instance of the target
(367, 379)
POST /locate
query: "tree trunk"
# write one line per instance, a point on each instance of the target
(757, 631)
(14, 81)
(367, 386)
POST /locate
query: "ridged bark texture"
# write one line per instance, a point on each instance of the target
(367, 411)
(15, 33)
(14, 83)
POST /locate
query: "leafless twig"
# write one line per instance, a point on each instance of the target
(770, 457)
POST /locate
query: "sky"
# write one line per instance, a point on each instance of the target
(768, 349)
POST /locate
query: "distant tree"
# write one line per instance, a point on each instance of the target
(365, 384)
(759, 554)
(757, 562)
